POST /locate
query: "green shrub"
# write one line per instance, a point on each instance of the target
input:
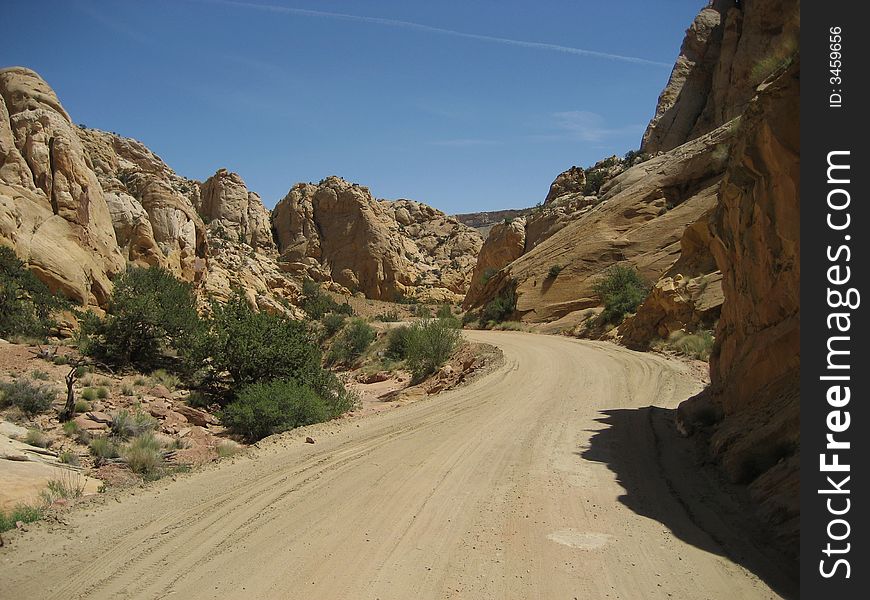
(31, 399)
(89, 394)
(82, 406)
(554, 271)
(72, 430)
(150, 312)
(397, 342)
(621, 290)
(350, 344)
(500, 308)
(430, 344)
(103, 448)
(332, 323)
(595, 178)
(469, 317)
(22, 512)
(263, 409)
(102, 393)
(423, 312)
(26, 304)
(227, 448)
(127, 390)
(316, 303)
(167, 380)
(68, 457)
(68, 486)
(40, 375)
(444, 312)
(697, 345)
(144, 456)
(36, 437)
(126, 424)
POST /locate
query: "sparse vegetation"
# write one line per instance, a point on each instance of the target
(68, 486)
(332, 323)
(89, 394)
(696, 345)
(126, 424)
(24, 513)
(621, 291)
(397, 342)
(31, 399)
(68, 457)
(82, 406)
(144, 456)
(36, 437)
(554, 271)
(40, 375)
(103, 448)
(595, 178)
(316, 303)
(390, 316)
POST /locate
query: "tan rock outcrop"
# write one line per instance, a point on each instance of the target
(505, 243)
(755, 366)
(140, 187)
(226, 202)
(638, 219)
(384, 249)
(52, 208)
(728, 50)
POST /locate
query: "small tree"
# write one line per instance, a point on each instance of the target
(621, 290)
(263, 409)
(429, 345)
(150, 311)
(26, 303)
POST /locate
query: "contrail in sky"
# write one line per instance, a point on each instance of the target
(304, 12)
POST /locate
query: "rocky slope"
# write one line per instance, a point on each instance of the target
(383, 249)
(79, 205)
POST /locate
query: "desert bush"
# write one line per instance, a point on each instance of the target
(82, 406)
(595, 178)
(71, 429)
(316, 303)
(350, 344)
(499, 308)
(68, 457)
(126, 424)
(144, 456)
(89, 394)
(621, 290)
(390, 316)
(102, 393)
(444, 312)
(263, 409)
(397, 342)
(554, 271)
(168, 380)
(150, 313)
(23, 512)
(40, 375)
(26, 303)
(30, 398)
(430, 344)
(470, 317)
(68, 486)
(36, 437)
(332, 323)
(697, 345)
(103, 448)
(227, 448)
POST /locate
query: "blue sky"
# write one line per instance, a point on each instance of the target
(466, 105)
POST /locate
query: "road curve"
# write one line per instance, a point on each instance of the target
(482, 492)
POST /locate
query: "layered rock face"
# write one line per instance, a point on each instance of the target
(755, 367)
(52, 208)
(729, 49)
(638, 218)
(382, 249)
(153, 209)
(226, 202)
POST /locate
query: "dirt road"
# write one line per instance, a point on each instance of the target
(495, 490)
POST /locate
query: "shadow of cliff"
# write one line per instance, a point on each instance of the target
(671, 479)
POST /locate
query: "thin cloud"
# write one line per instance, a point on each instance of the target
(464, 142)
(304, 12)
(583, 126)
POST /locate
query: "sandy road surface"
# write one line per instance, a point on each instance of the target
(482, 492)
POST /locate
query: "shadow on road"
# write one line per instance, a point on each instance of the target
(670, 479)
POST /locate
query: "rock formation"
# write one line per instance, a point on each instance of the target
(382, 249)
(225, 202)
(756, 360)
(52, 208)
(728, 50)
(505, 243)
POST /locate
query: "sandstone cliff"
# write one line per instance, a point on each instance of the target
(755, 367)
(728, 50)
(382, 249)
(52, 208)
